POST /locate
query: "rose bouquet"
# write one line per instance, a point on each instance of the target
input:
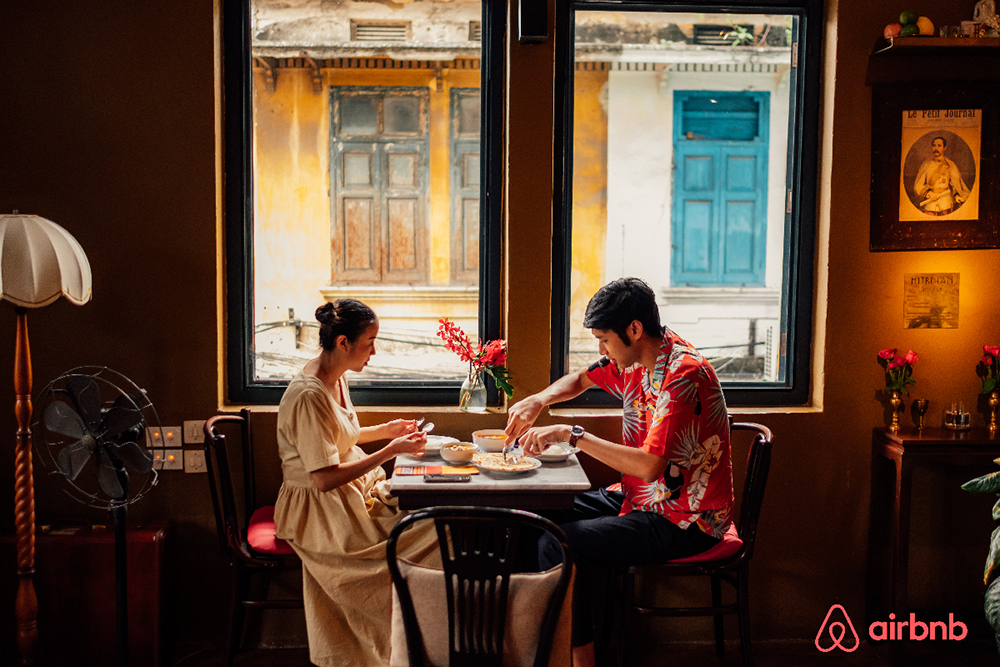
(489, 358)
(898, 370)
(989, 367)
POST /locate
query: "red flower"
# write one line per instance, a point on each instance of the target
(898, 370)
(491, 357)
(994, 350)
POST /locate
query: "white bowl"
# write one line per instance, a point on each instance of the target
(434, 444)
(489, 439)
(458, 452)
(557, 453)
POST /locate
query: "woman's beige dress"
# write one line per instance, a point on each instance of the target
(340, 534)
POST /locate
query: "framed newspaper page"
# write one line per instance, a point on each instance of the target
(934, 167)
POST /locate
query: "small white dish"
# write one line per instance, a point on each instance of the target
(434, 444)
(489, 439)
(557, 453)
(458, 453)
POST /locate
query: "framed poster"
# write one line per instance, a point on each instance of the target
(934, 166)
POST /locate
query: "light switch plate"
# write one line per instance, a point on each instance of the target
(194, 460)
(168, 459)
(194, 431)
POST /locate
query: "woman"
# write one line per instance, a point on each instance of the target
(334, 506)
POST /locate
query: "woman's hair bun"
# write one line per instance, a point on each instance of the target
(326, 314)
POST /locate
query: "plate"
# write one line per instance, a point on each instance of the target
(434, 444)
(557, 453)
(483, 461)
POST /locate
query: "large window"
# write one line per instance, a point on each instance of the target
(690, 145)
(362, 153)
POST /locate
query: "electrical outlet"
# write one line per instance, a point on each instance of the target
(168, 459)
(194, 460)
(172, 436)
(194, 431)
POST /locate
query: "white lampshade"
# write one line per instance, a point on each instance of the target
(39, 262)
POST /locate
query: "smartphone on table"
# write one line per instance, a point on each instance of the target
(439, 477)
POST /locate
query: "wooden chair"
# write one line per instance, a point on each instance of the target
(728, 561)
(474, 611)
(246, 535)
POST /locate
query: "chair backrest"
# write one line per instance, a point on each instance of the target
(758, 465)
(478, 547)
(229, 520)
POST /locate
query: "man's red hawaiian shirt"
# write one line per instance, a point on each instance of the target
(679, 414)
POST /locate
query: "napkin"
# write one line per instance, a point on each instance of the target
(436, 470)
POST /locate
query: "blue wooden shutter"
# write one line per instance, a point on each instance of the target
(719, 217)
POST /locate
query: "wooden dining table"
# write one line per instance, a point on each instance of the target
(553, 485)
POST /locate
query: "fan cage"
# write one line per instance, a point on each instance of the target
(112, 385)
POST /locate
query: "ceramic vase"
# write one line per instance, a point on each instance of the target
(472, 397)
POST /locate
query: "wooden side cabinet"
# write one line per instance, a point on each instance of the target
(75, 584)
(894, 458)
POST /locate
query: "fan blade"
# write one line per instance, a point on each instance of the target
(60, 418)
(72, 458)
(134, 456)
(107, 475)
(118, 420)
(87, 397)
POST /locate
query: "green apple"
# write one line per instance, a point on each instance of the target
(909, 30)
(908, 17)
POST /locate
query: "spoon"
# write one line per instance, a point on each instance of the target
(428, 427)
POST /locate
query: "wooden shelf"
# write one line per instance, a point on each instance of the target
(929, 59)
(913, 45)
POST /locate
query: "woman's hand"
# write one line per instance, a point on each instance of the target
(537, 439)
(411, 443)
(398, 427)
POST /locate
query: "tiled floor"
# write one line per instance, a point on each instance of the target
(968, 653)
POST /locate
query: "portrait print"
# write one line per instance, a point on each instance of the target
(939, 170)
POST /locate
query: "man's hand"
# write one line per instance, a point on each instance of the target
(536, 440)
(521, 416)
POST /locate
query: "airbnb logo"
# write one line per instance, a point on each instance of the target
(837, 630)
(918, 630)
(837, 623)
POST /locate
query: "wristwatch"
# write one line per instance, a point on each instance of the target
(575, 434)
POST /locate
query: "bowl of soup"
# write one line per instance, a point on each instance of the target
(458, 452)
(489, 439)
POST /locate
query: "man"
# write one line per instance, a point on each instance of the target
(675, 498)
(939, 182)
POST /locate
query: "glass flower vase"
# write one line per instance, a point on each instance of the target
(472, 397)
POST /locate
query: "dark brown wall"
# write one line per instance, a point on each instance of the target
(108, 127)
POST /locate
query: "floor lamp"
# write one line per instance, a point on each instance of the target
(39, 262)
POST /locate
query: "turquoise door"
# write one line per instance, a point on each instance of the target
(719, 218)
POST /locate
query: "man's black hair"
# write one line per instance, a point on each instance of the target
(621, 302)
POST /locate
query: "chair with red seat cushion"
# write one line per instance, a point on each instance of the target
(246, 535)
(727, 561)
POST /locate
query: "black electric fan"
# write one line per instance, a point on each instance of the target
(93, 433)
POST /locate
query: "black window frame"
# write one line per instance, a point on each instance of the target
(240, 384)
(801, 180)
